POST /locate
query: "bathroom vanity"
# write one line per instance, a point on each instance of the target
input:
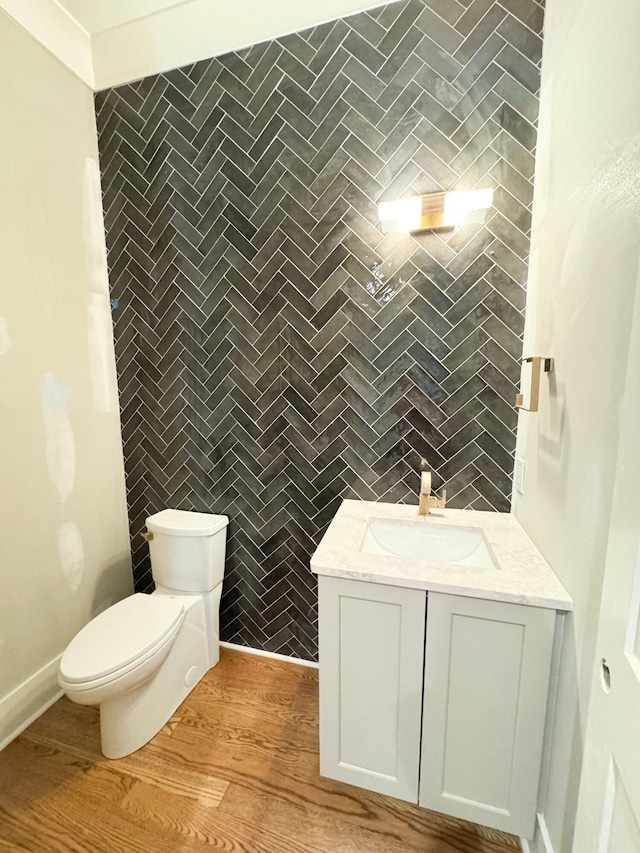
(439, 643)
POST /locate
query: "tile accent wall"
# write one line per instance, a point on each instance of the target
(276, 351)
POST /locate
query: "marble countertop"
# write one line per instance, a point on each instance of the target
(522, 575)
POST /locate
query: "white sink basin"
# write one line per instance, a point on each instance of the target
(422, 540)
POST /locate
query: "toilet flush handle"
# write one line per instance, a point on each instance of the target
(147, 535)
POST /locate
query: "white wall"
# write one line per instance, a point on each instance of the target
(63, 524)
(57, 31)
(584, 265)
(159, 40)
(198, 29)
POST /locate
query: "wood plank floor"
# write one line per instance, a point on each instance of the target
(235, 769)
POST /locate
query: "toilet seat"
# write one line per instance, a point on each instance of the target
(120, 639)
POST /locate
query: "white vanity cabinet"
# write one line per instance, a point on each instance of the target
(454, 722)
(486, 683)
(371, 665)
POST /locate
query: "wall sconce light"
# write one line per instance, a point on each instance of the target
(433, 211)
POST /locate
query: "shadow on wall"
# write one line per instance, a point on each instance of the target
(276, 352)
(109, 588)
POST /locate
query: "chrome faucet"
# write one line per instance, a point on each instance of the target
(427, 501)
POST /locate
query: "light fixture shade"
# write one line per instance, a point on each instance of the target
(433, 211)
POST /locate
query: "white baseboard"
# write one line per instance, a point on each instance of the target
(542, 835)
(273, 655)
(28, 701)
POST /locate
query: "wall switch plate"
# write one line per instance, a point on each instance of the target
(519, 476)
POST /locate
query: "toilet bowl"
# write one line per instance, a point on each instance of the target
(140, 658)
(121, 648)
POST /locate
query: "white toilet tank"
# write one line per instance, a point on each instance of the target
(187, 549)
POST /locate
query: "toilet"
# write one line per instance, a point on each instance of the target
(140, 658)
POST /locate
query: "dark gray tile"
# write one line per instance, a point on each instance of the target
(448, 38)
(436, 57)
(520, 68)
(518, 97)
(480, 33)
(521, 38)
(276, 352)
(472, 16)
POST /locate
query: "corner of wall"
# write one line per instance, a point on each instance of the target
(57, 31)
(28, 701)
(188, 32)
(541, 841)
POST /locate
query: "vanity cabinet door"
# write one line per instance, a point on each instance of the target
(485, 694)
(371, 668)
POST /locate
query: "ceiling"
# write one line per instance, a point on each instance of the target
(95, 16)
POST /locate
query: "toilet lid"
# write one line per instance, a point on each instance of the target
(120, 635)
(180, 522)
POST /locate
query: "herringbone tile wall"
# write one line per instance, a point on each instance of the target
(277, 352)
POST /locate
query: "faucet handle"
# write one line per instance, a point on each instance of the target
(428, 502)
(438, 503)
